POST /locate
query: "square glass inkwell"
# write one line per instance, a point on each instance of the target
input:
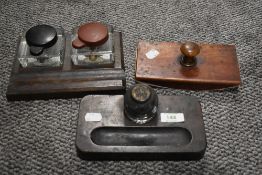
(93, 45)
(51, 63)
(41, 46)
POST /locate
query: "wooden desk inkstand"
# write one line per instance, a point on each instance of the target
(53, 64)
(188, 65)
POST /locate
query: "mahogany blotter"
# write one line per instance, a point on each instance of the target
(159, 63)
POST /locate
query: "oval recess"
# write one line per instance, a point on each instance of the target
(141, 136)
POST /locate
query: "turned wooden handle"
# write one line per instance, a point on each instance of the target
(190, 50)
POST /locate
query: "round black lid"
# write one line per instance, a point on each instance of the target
(140, 99)
(41, 36)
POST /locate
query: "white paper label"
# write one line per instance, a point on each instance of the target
(106, 56)
(172, 117)
(93, 117)
(152, 54)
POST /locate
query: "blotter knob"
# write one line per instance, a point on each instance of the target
(189, 50)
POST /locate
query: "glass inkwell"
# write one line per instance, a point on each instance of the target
(140, 104)
(93, 45)
(41, 46)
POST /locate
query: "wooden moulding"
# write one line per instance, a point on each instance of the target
(216, 66)
(68, 81)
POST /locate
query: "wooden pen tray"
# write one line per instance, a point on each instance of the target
(105, 133)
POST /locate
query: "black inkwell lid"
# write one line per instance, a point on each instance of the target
(140, 103)
(40, 37)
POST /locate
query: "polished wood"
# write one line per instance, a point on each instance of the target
(67, 81)
(190, 50)
(216, 66)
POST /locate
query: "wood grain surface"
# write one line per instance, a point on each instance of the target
(216, 67)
